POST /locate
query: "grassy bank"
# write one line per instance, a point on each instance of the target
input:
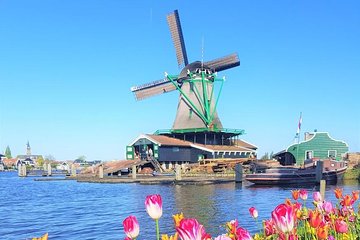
(352, 174)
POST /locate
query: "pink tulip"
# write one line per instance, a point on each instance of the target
(253, 212)
(327, 207)
(153, 204)
(284, 218)
(341, 226)
(242, 234)
(190, 229)
(317, 197)
(303, 194)
(222, 237)
(131, 227)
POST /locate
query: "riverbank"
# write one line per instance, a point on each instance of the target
(149, 180)
(352, 174)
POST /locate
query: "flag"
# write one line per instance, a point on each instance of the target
(299, 126)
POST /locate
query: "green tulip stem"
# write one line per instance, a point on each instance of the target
(157, 229)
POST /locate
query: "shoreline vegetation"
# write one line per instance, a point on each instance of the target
(352, 174)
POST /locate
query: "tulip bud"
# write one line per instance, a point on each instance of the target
(253, 212)
(131, 227)
(303, 194)
(153, 204)
(317, 197)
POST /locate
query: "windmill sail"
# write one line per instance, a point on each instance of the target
(154, 88)
(224, 63)
(177, 37)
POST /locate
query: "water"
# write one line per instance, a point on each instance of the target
(72, 210)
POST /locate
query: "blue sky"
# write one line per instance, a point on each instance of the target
(66, 68)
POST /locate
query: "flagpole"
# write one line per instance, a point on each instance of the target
(298, 136)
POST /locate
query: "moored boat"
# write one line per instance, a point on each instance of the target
(332, 172)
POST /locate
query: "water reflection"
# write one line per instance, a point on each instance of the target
(71, 210)
(196, 202)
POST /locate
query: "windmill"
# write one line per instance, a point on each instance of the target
(196, 111)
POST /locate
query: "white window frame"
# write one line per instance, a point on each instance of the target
(312, 154)
(332, 151)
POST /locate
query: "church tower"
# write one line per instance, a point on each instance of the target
(28, 149)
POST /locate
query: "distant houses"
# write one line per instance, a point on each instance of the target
(2, 166)
(28, 159)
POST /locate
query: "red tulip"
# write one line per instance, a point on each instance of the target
(322, 232)
(303, 194)
(338, 193)
(153, 204)
(341, 226)
(190, 229)
(242, 234)
(253, 212)
(347, 201)
(284, 218)
(355, 195)
(269, 227)
(315, 218)
(295, 194)
(283, 236)
(131, 227)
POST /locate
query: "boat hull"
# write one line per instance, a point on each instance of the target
(294, 176)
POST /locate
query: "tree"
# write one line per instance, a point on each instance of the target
(49, 157)
(40, 161)
(265, 156)
(8, 153)
(83, 158)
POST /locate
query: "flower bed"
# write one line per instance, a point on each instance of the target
(290, 220)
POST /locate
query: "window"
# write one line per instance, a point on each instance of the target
(309, 154)
(175, 149)
(332, 153)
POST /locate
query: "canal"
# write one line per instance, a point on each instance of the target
(72, 210)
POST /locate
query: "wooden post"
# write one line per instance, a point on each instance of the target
(45, 167)
(73, 170)
(24, 173)
(101, 171)
(178, 172)
(319, 170)
(133, 171)
(238, 173)
(49, 169)
(20, 171)
(322, 189)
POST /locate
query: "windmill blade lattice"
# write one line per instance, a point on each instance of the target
(178, 38)
(151, 89)
(224, 63)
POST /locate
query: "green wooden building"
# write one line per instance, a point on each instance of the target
(315, 145)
